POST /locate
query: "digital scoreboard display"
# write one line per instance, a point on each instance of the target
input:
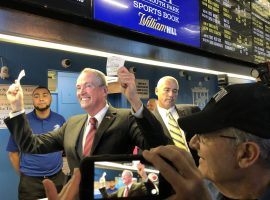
(226, 28)
(261, 30)
(238, 29)
(175, 20)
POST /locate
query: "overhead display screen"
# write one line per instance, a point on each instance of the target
(226, 28)
(175, 20)
(238, 29)
(261, 30)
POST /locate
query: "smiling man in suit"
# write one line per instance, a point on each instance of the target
(102, 130)
(142, 188)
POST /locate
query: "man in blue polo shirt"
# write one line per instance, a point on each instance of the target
(33, 168)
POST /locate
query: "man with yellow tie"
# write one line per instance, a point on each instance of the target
(168, 113)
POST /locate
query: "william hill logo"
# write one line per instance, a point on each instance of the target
(152, 23)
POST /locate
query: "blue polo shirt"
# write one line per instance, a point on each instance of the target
(40, 164)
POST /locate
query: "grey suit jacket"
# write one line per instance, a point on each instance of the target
(182, 110)
(118, 133)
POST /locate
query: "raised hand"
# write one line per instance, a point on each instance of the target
(141, 171)
(128, 84)
(15, 97)
(102, 180)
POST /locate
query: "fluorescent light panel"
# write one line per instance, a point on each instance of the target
(121, 166)
(115, 3)
(69, 48)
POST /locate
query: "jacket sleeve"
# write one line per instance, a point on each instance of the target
(31, 143)
(151, 130)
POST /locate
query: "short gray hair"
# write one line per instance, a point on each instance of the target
(127, 172)
(264, 144)
(100, 75)
(165, 78)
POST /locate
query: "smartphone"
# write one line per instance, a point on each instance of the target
(103, 177)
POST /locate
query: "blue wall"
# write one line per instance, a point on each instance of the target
(37, 61)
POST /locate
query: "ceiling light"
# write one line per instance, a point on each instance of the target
(75, 49)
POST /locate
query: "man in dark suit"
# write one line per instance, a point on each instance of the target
(131, 189)
(167, 92)
(111, 130)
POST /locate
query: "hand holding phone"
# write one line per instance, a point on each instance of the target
(116, 167)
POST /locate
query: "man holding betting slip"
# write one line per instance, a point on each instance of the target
(102, 130)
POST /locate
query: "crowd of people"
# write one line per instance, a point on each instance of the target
(230, 136)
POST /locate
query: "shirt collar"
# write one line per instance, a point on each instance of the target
(164, 111)
(100, 115)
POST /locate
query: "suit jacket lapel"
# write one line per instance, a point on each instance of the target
(121, 191)
(75, 136)
(159, 118)
(105, 123)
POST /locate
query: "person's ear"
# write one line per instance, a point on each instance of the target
(247, 154)
(156, 91)
(106, 91)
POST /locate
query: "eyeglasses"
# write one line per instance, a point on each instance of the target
(204, 138)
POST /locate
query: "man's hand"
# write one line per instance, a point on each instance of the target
(128, 84)
(69, 192)
(102, 180)
(141, 171)
(180, 172)
(15, 97)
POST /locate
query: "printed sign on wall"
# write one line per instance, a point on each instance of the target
(143, 88)
(4, 105)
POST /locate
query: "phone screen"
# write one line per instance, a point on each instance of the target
(119, 179)
(123, 179)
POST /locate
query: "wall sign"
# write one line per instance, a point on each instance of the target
(142, 88)
(4, 105)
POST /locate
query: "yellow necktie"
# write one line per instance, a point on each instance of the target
(177, 133)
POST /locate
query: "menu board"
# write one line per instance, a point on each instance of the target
(226, 28)
(237, 29)
(261, 30)
(174, 20)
